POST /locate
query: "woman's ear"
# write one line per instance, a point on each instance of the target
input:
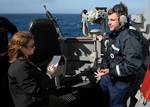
(21, 48)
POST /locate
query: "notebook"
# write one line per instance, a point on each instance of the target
(55, 61)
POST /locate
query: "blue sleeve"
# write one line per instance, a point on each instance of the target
(105, 58)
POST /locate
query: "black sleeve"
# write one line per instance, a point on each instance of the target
(34, 82)
(132, 60)
(5, 23)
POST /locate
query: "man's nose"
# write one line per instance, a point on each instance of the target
(109, 22)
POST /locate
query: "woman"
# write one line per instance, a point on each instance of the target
(28, 85)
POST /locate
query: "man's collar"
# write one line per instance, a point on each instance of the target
(114, 34)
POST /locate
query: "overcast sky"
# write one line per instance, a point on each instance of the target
(66, 6)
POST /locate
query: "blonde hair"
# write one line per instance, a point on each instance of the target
(19, 39)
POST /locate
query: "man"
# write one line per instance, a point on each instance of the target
(7, 29)
(123, 59)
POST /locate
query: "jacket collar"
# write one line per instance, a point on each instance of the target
(114, 34)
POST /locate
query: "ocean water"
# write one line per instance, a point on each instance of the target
(70, 24)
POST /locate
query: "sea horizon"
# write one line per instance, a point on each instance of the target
(70, 24)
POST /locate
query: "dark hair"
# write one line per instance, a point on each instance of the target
(19, 39)
(120, 9)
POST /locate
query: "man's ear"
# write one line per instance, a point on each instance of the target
(123, 20)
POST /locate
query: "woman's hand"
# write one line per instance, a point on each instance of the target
(51, 69)
(101, 72)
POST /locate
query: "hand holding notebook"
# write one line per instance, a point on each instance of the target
(52, 66)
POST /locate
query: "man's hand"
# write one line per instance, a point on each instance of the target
(100, 38)
(101, 72)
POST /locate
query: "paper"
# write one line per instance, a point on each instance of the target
(55, 61)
